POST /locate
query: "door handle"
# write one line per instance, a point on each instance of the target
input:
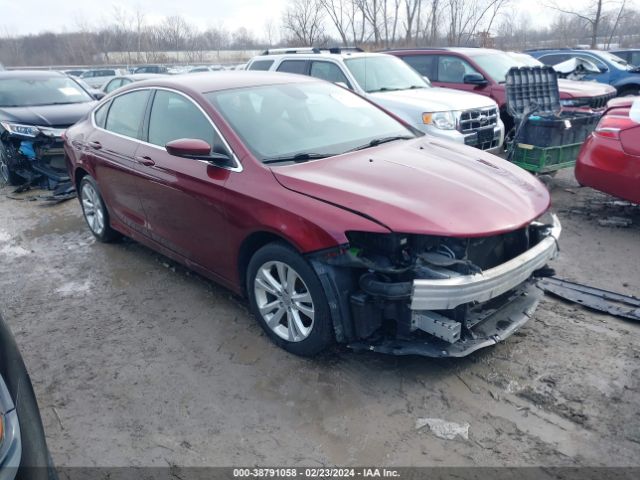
(145, 160)
(95, 145)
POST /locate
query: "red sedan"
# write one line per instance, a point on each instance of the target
(609, 160)
(337, 221)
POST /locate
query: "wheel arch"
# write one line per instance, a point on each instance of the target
(250, 245)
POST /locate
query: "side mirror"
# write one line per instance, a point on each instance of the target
(475, 79)
(98, 94)
(195, 149)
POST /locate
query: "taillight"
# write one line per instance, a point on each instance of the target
(614, 122)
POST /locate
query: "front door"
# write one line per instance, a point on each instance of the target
(184, 199)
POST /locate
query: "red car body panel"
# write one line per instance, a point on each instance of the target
(497, 91)
(204, 215)
(412, 188)
(612, 165)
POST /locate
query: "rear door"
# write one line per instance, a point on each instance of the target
(184, 199)
(112, 147)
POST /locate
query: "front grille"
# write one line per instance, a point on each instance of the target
(473, 120)
(601, 101)
(478, 127)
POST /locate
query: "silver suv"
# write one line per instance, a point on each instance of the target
(463, 117)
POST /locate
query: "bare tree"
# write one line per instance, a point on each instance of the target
(304, 19)
(411, 7)
(339, 14)
(591, 14)
(270, 32)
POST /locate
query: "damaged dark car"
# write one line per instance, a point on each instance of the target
(339, 222)
(35, 109)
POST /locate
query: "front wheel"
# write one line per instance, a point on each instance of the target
(7, 175)
(94, 211)
(288, 300)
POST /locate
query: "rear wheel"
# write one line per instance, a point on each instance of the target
(94, 211)
(288, 300)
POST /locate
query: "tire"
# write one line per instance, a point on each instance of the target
(296, 317)
(7, 175)
(35, 462)
(94, 211)
(629, 92)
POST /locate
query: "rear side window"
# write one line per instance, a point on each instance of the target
(127, 113)
(329, 72)
(425, 65)
(100, 115)
(174, 116)
(293, 66)
(554, 59)
(261, 65)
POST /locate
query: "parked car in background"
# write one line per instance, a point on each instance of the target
(613, 70)
(153, 69)
(99, 76)
(630, 55)
(122, 80)
(462, 117)
(205, 68)
(610, 158)
(96, 93)
(74, 73)
(341, 222)
(35, 108)
(23, 447)
(483, 71)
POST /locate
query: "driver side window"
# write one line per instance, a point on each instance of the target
(174, 117)
(453, 69)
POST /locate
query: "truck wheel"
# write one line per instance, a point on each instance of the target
(7, 175)
(287, 298)
(94, 211)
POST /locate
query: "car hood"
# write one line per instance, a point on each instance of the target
(433, 99)
(575, 89)
(57, 116)
(424, 186)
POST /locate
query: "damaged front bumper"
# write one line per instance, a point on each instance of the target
(449, 293)
(446, 314)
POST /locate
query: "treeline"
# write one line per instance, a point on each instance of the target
(372, 24)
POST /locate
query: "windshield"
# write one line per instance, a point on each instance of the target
(497, 64)
(310, 120)
(617, 62)
(384, 73)
(30, 92)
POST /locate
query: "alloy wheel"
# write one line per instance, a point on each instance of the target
(92, 208)
(284, 301)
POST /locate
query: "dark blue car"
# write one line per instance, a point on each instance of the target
(613, 69)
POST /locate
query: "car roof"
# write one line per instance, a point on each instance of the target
(463, 50)
(31, 74)
(321, 54)
(222, 80)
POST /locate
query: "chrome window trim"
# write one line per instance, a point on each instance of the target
(238, 166)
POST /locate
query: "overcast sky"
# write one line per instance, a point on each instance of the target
(33, 16)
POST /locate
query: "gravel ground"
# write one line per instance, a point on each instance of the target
(137, 361)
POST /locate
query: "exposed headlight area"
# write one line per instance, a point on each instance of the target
(443, 296)
(441, 120)
(31, 131)
(10, 440)
(575, 102)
